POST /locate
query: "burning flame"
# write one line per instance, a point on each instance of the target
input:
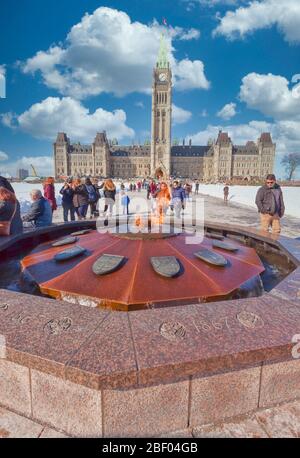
(155, 220)
(138, 221)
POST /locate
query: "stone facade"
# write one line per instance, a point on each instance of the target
(218, 160)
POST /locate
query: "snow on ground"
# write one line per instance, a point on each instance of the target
(238, 194)
(246, 195)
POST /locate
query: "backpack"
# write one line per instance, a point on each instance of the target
(92, 193)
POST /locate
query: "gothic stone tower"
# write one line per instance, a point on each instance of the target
(61, 151)
(101, 155)
(161, 114)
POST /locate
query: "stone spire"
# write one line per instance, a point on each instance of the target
(162, 60)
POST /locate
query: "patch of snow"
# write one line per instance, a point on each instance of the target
(246, 195)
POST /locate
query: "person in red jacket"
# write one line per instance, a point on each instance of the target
(49, 192)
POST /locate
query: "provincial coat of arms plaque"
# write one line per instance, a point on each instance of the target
(211, 257)
(167, 266)
(107, 263)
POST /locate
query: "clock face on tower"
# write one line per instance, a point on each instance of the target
(162, 77)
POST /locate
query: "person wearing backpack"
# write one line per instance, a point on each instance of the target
(93, 196)
(80, 198)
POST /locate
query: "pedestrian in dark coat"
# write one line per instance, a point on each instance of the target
(40, 213)
(67, 193)
(80, 199)
(93, 196)
(270, 204)
(49, 192)
(10, 215)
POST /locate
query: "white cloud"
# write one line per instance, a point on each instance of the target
(7, 119)
(227, 112)
(139, 104)
(190, 75)
(45, 119)
(271, 95)
(296, 78)
(179, 115)
(3, 156)
(260, 15)
(192, 34)
(190, 6)
(107, 52)
(42, 164)
(239, 133)
(2, 81)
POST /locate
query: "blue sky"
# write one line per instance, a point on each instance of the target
(236, 66)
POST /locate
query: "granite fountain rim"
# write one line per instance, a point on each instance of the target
(101, 349)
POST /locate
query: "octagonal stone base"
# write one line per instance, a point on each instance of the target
(117, 374)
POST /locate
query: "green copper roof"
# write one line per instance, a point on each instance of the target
(162, 60)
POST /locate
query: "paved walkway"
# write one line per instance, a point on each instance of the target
(277, 422)
(16, 426)
(216, 211)
(244, 215)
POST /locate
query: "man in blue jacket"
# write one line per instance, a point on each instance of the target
(67, 193)
(178, 198)
(40, 213)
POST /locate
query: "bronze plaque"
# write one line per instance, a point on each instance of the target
(69, 254)
(210, 235)
(66, 241)
(107, 264)
(211, 257)
(85, 231)
(167, 266)
(250, 320)
(172, 331)
(56, 327)
(224, 245)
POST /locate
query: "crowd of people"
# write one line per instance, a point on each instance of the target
(80, 196)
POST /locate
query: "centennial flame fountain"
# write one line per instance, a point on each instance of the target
(128, 271)
(215, 355)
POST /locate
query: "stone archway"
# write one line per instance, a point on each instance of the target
(161, 173)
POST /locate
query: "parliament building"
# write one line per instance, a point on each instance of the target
(219, 160)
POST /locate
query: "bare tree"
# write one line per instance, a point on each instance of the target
(291, 162)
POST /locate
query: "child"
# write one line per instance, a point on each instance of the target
(125, 201)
